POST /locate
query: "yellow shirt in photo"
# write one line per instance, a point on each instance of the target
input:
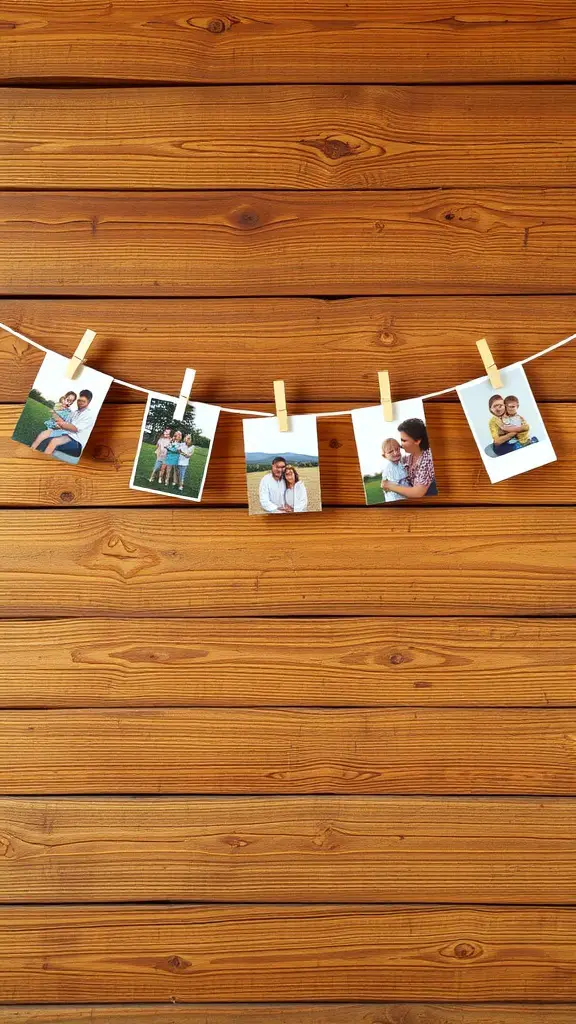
(497, 428)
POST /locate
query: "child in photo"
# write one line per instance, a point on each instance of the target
(393, 468)
(514, 419)
(160, 452)
(63, 408)
(186, 451)
(169, 471)
(509, 430)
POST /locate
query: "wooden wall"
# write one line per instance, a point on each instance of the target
(302, 771)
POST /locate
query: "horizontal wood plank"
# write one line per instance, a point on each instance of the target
(289, 751)
(296, 1013)
(301, 850)
(102, 477)
(324, 350)
(289, 137)
(266, 41)
(326, 662)
(114, 954)
(288, 243)
(73, 562)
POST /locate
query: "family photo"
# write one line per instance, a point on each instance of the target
(395, 457)
(173, 455)
(282, 469)
(506, 422)
(60, 413)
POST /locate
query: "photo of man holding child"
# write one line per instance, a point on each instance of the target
(60, 413)
(506, 422)
(173, 455)
(395, 458)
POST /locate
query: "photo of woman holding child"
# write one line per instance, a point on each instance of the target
(509, 430)
(506, 421)
(399, 466)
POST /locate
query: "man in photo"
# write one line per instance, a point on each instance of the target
(71, 436)
(272, 490)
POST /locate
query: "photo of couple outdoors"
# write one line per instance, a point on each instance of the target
(173, 454)
(60, 413)
(395, 458)
(282, 480)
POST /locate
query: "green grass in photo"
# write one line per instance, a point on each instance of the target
(192, 480)
(32, 421)
(373, 489)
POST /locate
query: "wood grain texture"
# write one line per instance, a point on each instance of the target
(71, 562)
(102, 476)
(289, 137)
(327, 662)
(288, 243)
(323, 41)
(289, 751)
(114, 954)
(296, 1013)
(301, 850)
(324, 350)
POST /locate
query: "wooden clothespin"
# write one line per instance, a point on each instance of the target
(280, 399)
(77, 360)
(385, 395)
(489, 364)
(185, 390)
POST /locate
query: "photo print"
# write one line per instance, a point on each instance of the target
(506, 424)
(60, 413)
(173, 455)
(395, 457)
(282, 471)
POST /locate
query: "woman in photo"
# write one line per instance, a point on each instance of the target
(296, 497)
(186, 453)
(169, 471)
(419, 464)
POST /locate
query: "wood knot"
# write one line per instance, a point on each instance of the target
(216, 26)
(379, 226)
(334, 443)
(466, 950)
(387, 339)
(248, 219)
(67, 497)
(236, 842)
(396, 658)
(449, 215)
(335, 149)
(177, 963)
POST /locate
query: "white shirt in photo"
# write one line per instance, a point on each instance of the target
(394, 473)
(83, 420)
(272, 493)
(297, 497)
(186, 453)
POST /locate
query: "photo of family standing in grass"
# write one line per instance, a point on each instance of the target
(395, 457)
(506, 421)
(282, 470)
(173, 455)
(60, 413)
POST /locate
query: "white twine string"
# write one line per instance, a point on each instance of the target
(252, 412)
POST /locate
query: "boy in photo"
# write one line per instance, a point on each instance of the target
(393, 468)
(513, 419)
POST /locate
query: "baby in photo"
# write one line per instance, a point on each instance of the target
(394, 468)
